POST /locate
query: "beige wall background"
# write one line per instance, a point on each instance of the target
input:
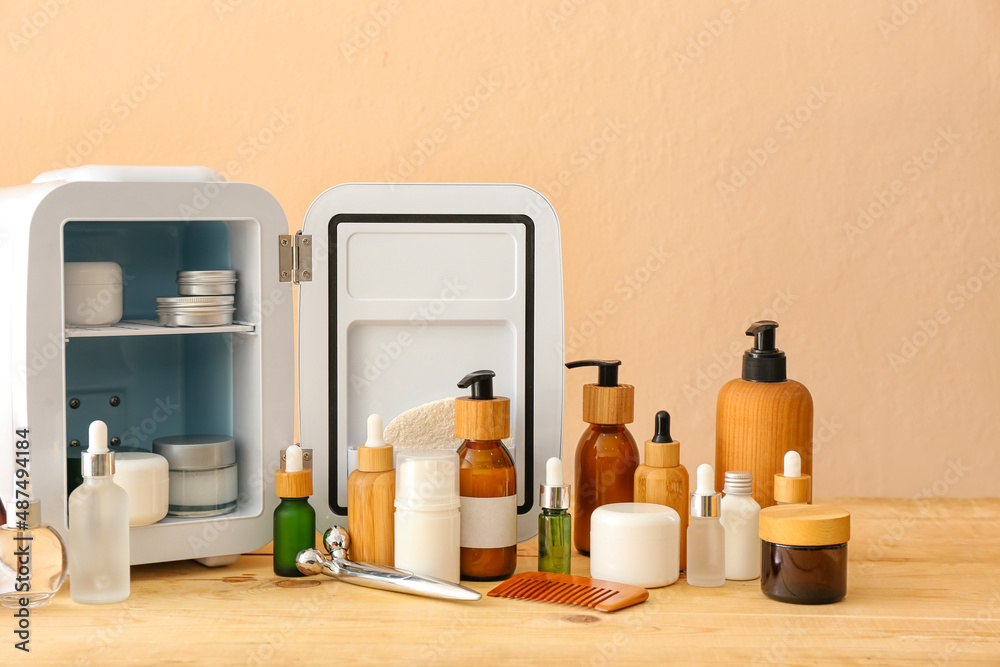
(832, 165)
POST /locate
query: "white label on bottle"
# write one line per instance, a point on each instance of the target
(488, 523)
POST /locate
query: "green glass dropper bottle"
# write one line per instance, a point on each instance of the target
(555, 540)
(294, 517)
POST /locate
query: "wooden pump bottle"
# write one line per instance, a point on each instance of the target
(661, 479)
(487, 481)
(606, 456)
(371, 494)
(761, 416)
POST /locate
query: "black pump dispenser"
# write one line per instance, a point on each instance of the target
(764, 362)
(662, 433)
(481, 383)
(608, 373)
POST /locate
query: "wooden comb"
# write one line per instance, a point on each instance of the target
(568, 589)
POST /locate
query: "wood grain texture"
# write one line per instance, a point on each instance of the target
(756, 423)
(792, 489)
(571, 589)
(666, 486)
(375, 459)
(923, 588)
(371, 515)
(482, 419)
(608, 405)
(805, 525)
(293, 484)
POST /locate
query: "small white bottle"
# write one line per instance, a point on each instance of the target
(706, 539)
(428, 525)
(741, 521)
(98, 527)
(791, 487)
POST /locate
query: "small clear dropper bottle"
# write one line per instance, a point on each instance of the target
(555, 544)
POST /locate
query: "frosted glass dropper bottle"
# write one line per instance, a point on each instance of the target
(98, 527)
(706, 539)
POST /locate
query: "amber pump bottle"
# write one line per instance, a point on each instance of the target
(661, 479)
(761, 416)
(487, 481)
(606, 456)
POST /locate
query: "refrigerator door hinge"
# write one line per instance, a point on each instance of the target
(295, 258)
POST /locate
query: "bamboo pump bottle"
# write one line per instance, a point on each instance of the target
(371, 494)
(487, 481)
(606, 456)
(662, 480)
(761, 416)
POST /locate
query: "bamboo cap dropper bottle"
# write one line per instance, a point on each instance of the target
(371, 496)
(791, 487)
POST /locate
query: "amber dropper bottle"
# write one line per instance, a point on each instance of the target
(606, 456)
(487, 481)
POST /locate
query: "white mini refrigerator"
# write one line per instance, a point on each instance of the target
(402, 290)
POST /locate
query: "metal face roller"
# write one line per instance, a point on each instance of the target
(336, 541)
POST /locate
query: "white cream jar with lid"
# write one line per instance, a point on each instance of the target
(92, 293)
(146, 478)
(635, 543)
(203, 474)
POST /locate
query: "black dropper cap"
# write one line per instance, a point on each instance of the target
(662, 427)
(764, 362)
(481, 383)
(608, 373)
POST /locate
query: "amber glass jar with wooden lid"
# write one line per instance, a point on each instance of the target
(804, 553)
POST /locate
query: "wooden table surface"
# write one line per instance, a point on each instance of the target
(924, 588)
